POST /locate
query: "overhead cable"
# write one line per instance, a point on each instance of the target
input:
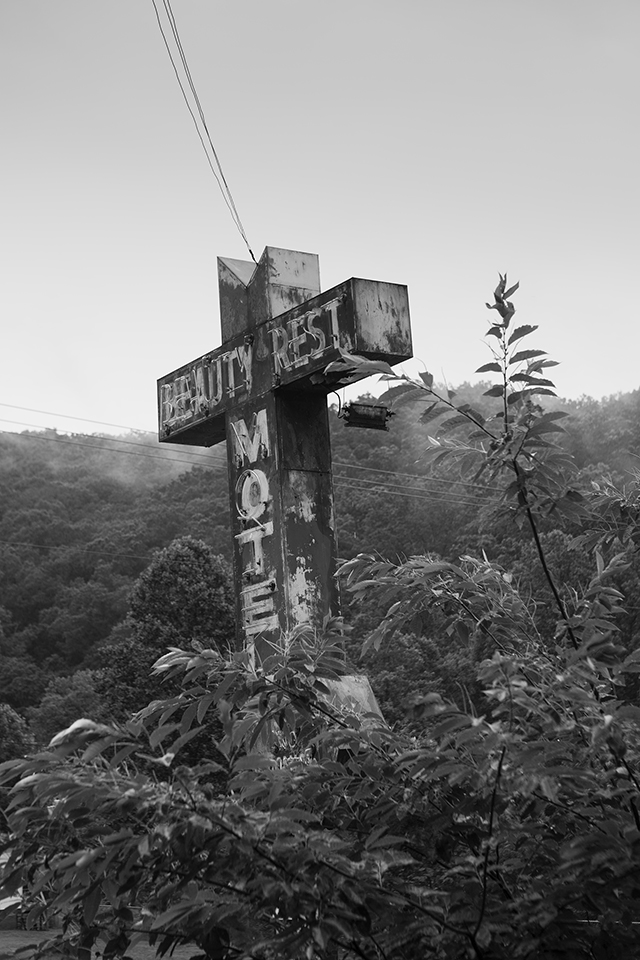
(218, 173)
(360, 483)
(68, 416)
(413, 476)
(411, 494)
(444, 481)
(67, 546)
(97, 446)
(353, 483)
(130, 443)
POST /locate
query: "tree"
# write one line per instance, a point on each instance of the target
(504, 829)
(15, 739)
(124, 680)
(184, 594)
(65, 700)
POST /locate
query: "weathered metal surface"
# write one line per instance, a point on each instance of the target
(282, 515)
(364, 317)
(264, 390)
(251, 293)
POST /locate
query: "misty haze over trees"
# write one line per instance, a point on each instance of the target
(82, 518)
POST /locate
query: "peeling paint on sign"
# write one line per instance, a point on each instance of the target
(264, 391)
(360, 316)
(253, 502)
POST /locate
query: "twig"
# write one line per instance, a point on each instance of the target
(488, 842)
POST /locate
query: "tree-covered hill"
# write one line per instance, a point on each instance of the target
(81, 517)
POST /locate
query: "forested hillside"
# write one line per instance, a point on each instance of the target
(82, 517)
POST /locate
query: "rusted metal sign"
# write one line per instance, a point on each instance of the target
(264, 390)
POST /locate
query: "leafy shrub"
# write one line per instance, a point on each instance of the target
(507, 827)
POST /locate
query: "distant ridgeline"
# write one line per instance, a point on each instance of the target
(82, 516)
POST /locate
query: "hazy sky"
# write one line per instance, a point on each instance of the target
(426, 142)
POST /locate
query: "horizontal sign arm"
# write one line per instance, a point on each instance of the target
(363, 317)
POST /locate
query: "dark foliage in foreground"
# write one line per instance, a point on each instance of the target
(503, 824)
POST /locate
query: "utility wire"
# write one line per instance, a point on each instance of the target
(208, 457)
(218, 174)
(360, 483)
(97, 446)
(353, 482)
(130, 443)
(412, 495)
(413, 476)
(68, 416)
(67, 546)
(176, 35)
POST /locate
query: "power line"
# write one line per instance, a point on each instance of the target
(413, 476)
(404, 492)
(336, 463)
(219, 174)
(96, 446)
(387, 483)
(129, 443)
(68, 416)
(102, 553)
(176, 35)
(353, 483)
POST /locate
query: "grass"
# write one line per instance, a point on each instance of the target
(10, 940)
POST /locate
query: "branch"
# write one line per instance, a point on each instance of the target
(488, 842)
(522, 489)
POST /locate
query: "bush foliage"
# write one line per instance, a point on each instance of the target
(502, 821)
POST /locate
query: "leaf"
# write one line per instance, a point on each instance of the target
(537, 381)
(427, 379)
(435, 410)
(203, 706)
(494, 331)
(160, 733)
(496, 391)
(388, 840)
(122, 754)
(394, 393)
(475, 415)
(414, 395)
(254, 761)
(553, 415)
(521, 332)
(510, 292)
(542, 426)
(544, 390)
(91, 903)
(185, 738)
(456, 420)
(456, 722)
(493, 367)
(526, 354)
(364, 367)
(188, 717)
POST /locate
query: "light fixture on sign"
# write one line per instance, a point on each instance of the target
(375, 416)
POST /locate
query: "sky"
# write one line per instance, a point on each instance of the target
(427, 142)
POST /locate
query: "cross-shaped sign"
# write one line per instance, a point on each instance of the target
(265, 390)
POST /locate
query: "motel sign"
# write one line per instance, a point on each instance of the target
(264, 391)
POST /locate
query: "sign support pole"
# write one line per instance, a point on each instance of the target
(265, 390)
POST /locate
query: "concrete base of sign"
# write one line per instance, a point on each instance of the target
(354, 692)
